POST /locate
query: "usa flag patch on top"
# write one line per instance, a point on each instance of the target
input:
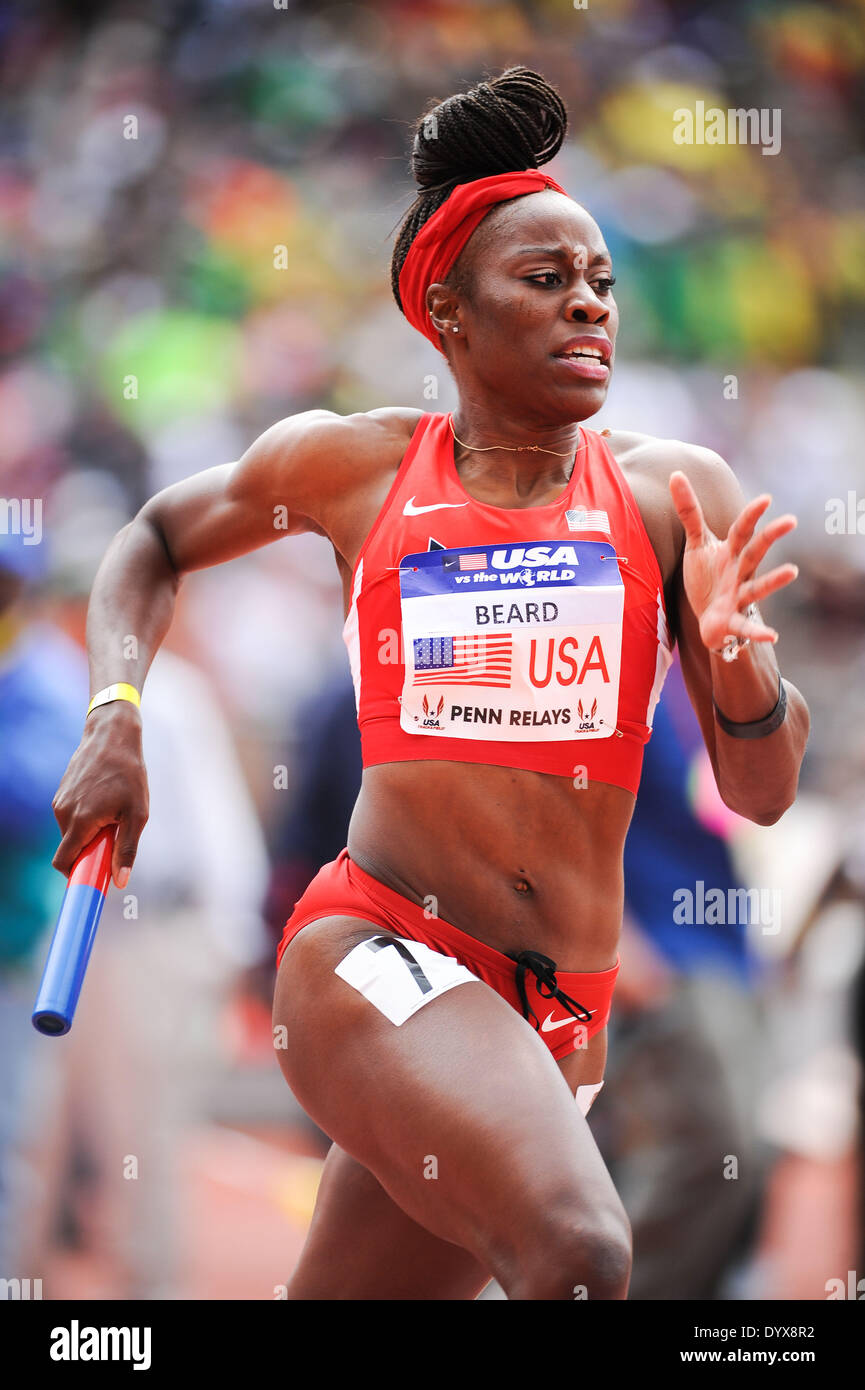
(580, 519)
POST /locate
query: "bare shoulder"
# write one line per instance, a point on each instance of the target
(367, 430)
(713, 480)
(361, 441)
(655, 455)
(324, 462)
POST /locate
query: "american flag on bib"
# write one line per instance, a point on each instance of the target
(581, 519)
(465, 562)
(463, 660)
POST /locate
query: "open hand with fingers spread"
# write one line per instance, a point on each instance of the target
(720, 576)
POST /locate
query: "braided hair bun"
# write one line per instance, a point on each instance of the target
(514, 121)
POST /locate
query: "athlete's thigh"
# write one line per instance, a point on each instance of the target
(362, 1245)
(460, 1112)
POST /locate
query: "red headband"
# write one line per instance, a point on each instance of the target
(441, 239)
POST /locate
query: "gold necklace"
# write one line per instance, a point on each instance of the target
(510, 448)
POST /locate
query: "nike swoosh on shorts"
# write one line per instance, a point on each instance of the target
(547, 1027)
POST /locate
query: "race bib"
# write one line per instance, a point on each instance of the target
(512, 642)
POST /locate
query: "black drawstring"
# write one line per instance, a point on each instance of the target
(544, 971)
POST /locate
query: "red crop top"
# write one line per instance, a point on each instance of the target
(528, 637)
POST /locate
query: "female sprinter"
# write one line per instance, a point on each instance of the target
(514, 584)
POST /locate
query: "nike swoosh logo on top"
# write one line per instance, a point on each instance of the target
(411, 510)
(547, 1027)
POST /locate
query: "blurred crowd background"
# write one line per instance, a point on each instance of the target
(196, 206)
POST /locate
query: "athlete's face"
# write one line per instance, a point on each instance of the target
(538, 285)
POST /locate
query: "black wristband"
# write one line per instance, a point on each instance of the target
(759, 728)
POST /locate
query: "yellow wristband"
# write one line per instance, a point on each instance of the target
(121, 691)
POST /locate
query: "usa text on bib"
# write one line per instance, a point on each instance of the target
(512, 642)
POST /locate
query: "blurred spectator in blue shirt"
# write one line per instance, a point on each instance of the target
(43, 691)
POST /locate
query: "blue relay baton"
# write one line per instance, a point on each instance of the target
(73, 936)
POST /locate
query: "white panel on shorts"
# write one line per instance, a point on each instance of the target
(586, 1094)
(385, 977)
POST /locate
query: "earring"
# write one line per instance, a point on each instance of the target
(442, 326)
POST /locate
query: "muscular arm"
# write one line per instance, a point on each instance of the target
(289, 481)
(204, 520)
(757, 778)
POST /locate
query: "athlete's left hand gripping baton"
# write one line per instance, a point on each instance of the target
(73, 936)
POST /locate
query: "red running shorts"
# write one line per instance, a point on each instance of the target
(527, 982)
